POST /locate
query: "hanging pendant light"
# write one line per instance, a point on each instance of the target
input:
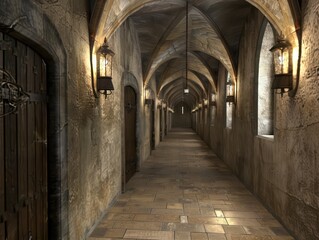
(186, 89)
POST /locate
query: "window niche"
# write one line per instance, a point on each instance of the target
(265, 93)
(229, 105)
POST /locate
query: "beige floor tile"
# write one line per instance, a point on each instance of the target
(182, 236)
(175, 206)
(138, 225)
(199, 236)
(243, 221)
(233, 229)
(259, 231)
(216, 236)
(167, 211)
(206, 220)
(183, 178)
(192, 211)
(214, 228)
(182, 227)
(237, 214)
(157, 218)
(119, 216)
(156, 235)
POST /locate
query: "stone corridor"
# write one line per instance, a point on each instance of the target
(185, 192)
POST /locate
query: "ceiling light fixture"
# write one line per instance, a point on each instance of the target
(186, 89)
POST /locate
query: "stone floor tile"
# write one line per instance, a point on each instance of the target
(214, 228)
(138, 225)
(237, 214)
(233, 229)
(259, 231)
(184, 219)
(175, 206)
(167, 211)
(156, 235)
(98, 232)
(216, 236)
(119, 216)
(192, 211)
(157, 218)
(220, 213)
(115, 233)
(199, 236)
(208, 212)
(182, 236)
(206, 220)
(147, 205)
(184, 179)
(182, 227)
(243, 221)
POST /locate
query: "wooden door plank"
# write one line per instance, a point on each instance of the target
(31, 146)
(38, 147)
(44, 155)
(2, 165)
(22, 146)
(130, 132)
(10, 123)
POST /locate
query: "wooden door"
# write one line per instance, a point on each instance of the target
(161, 124)
(165, 121)
(152, 126)
(130, 133)
(23, 147)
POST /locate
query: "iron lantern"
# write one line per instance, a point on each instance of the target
(282, 58)
(230, 97)
(104, 69)
(213, 99)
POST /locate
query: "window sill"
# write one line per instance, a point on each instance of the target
(267, 137)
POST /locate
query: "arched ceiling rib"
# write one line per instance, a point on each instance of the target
(215, 28)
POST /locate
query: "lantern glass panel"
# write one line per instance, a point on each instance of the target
(230, 89)
(213, 97)
(281, 60)
(106, 65)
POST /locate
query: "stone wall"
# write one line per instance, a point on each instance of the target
(282, 172)
(89, 152)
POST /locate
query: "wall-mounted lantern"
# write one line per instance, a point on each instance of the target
(160, 103)
(164, 104)
(200, 106)
(205, 101)
(282, 56)
(148, 97)
(213, 99)
(104, 69)
(230, 93)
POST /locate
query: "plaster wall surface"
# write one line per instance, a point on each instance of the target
(282, 172)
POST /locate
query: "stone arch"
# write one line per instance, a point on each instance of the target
(46, 40)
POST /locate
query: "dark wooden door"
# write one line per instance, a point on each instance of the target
(130, 133)
(23, 147)
(152, 126)
(165, 121)
(161, 124)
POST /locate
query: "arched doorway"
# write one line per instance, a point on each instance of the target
(130, 133)
(23, 146)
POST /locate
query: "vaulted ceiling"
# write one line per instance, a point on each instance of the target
(215, 28)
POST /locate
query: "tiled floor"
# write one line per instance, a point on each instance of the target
(184, 192)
